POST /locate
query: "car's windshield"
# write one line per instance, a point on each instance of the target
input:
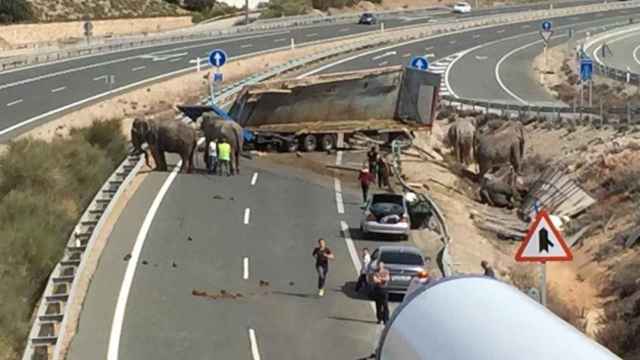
(401, 258)
(387, 198)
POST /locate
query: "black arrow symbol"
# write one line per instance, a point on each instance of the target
(543, 236)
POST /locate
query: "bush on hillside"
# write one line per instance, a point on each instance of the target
(44, 188)
(13, 11)
(198, 5)
(278, 8)
(219, 9)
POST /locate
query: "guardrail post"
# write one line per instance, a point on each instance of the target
(198, 64)
(293, 44)
(381, 27)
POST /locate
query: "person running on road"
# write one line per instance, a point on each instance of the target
(366, 178)
(380, 294)
(224, 157)
(322, 254)
(213, 156)
(366, 260)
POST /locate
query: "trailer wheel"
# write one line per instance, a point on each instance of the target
(328, 142)
(290, 146)
(310, 143)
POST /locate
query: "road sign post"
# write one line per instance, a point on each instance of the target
(543, 243)
(217, 58)
(419, 63)
(546, 30)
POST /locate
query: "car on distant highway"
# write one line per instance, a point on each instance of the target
(405, 264)
(386, 213)
(368, 19)
(461, 8)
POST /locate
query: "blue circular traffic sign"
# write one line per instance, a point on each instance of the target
(546, 25)
(217, 57)
(420, 63)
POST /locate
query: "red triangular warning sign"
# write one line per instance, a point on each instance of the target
(543, 242)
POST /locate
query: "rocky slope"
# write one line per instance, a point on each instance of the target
(63, 10)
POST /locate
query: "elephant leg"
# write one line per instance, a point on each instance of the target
(237, 160)
(156, 158)
(163, 160)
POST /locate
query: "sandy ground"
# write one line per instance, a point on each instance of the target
(23, 34)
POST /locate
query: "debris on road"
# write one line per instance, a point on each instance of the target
(189, 238)
(144, 262)
(173, 264)
(127, 257)
(263, 283)
(218, 197)
(221, 295)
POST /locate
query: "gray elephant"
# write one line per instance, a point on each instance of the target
(504, 145)
(461, 137)
(162, 136)
(502, 191)
(216, 128)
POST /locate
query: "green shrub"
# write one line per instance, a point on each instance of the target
(12, 11)
(44, 188)
(278, 8)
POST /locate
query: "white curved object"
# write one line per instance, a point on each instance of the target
(479, 318)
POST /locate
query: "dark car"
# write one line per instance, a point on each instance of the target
(404, 262)
(367, 19)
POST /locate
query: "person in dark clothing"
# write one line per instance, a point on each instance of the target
(366, 260)
(322, 254)
(366, 178)
(372, 157)
(488, 270)
(380, 294)
(382, 173)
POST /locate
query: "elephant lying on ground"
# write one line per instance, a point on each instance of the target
(505, 145)
(461, 137)
(502, 191)
(162, 136)
(216, 128)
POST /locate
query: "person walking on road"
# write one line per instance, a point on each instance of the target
(213, 156)
(366, 178)
(383, 173)
(380, 294)
(366, 260)
(372, 157)
(488, 270)
(224, 157)
(322, 254)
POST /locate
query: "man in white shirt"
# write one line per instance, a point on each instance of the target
(366, 260)
(213, 156)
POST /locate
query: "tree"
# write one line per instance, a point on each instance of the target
(12, 11)
(198, 5)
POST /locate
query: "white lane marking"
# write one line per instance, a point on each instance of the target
(58, 89)
(339, 201)
(430, 55)
(245, 268)
(476, 36)
(350, 246)
(138, 68)
(312, 34)
(125, 288)
(500, 31)
(406, 55)
(428, 48)
(80, 68)
(246, 46)
(339, 158)
(255, 353)
(635, 54)
(526, 26)
(156, 58)
(452, 42)
(254, 179)
(280, 40)
(175, 59)
(389, 53)
(384, 63)
(478, 57)
(103, 77)
(15, 102)
(247, 214)
(343, 30)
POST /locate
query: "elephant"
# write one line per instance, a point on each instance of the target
(216, 128)
(162, 136)
(502, 191)
(461, 137)
(504, 145)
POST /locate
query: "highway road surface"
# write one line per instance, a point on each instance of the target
(623, 49)
(35, 94)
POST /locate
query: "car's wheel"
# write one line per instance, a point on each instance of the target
(310, 143)
(328, 142)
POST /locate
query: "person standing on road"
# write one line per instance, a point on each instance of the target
(380, 294)
(488, 270)
(224, 157)
(213, 156)
(366, 178)
(322, 254)
(383, 174)
(372, 157)
(366, 260)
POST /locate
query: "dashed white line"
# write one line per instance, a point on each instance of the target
(255, 353)
(16, 102)
(352, 249)
(476, 36)
(58, 89)
(246, 46)
(280, 40)
(452, 42)
(378, 57)
(103, 77)
(247, 214)
(312, 34)
(254, 179)
(430, 55)
(479, 57)
(339, 158)
(406, 55)
(175, 59)
(384, 63)
(428, 48)
(138, 68)
(500, 31)
(245, 268)
(339, 201)
(343, 30)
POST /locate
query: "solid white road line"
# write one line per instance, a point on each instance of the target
(350, 246)
(384, 63)
(125, 288)
(312, 34)
(246, 46)
(255, 353)
(383, 55)
(497, 70)
(339, 200)
(15, 102)
(247, 214)
(175, 59)
(254, 179)
(280, 40)
(339, 157)
(635, 54)
(138, 68)
(245, 268)
(58, 89)
(103, 77)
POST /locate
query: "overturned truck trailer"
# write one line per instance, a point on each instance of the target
(327, 111)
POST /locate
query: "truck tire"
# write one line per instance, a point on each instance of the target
(290, 146)
(328, 142)
(310, 143)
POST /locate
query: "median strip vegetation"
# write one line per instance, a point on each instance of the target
(44, 189)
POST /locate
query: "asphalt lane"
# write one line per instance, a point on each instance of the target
(624, 47)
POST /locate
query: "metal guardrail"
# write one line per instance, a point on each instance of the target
(149, 40)
(47, 328)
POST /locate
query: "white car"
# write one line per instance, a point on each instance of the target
(462, 8)
(386, 213)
